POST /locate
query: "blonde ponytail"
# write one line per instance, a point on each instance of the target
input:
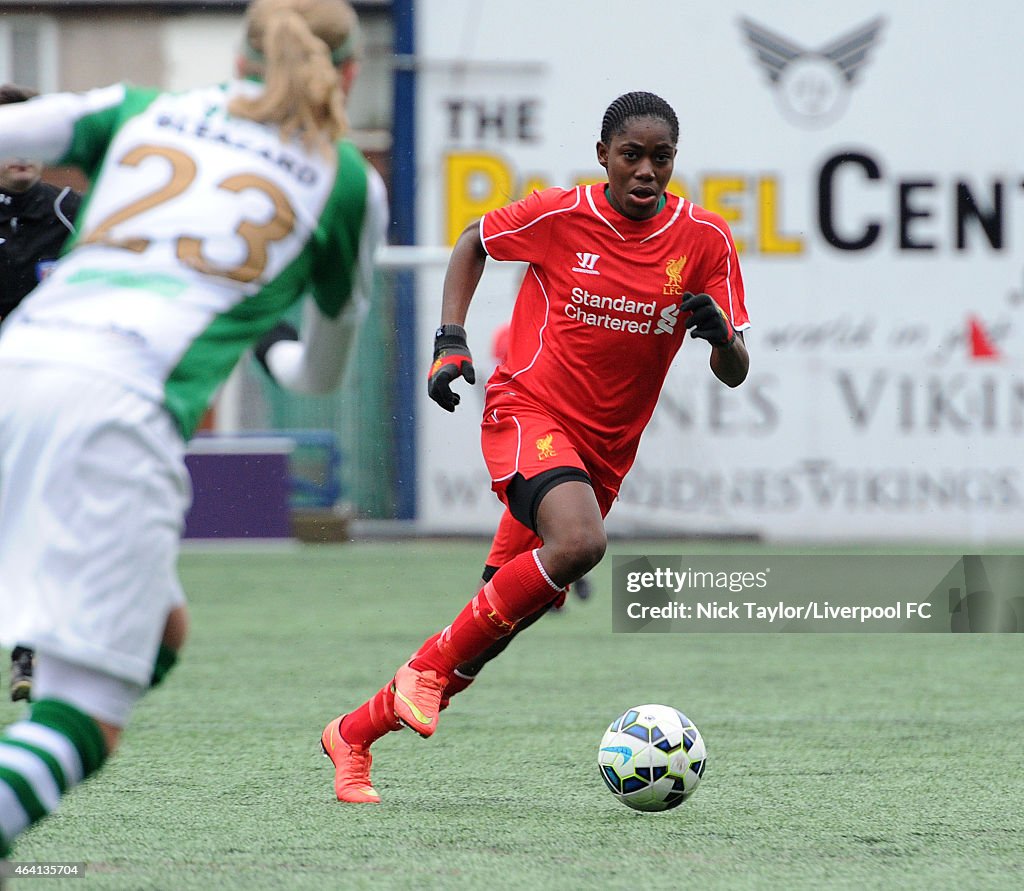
(296, 46)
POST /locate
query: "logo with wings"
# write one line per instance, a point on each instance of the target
(812, 86)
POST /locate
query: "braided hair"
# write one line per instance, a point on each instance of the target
(637, 105)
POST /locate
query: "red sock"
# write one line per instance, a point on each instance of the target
(427, 645)
(518, 589)
(371, 720)
(456, 684)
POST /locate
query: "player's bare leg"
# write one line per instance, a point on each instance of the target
(175, 632)
(570, 523)
(176, 628)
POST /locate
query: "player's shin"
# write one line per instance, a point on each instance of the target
(372, 720)
(516, 591)
(463, 676)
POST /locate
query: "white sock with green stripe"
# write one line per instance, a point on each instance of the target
(41, 759)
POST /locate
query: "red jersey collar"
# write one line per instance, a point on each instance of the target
(627, 225)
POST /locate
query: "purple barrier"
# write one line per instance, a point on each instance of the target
(240, 487)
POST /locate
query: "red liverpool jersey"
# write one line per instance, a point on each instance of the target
(596, 323)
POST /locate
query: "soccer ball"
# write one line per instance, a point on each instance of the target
(652, 757)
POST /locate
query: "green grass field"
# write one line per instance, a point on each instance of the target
(835, 761)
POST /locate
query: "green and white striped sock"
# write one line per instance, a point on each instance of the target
(42, 758)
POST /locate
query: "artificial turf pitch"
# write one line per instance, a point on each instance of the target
(835, 761)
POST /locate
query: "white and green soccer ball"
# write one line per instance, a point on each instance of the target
(652, 757)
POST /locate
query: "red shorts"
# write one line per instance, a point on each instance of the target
(517, 437)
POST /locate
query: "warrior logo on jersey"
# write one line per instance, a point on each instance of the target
(545, 447)
(812, 86)
(674, 271)
(586, 262)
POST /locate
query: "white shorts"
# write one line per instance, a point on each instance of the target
(93, 495)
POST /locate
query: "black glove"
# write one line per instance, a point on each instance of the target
(452, 360)
(707, 319)
(281, 331)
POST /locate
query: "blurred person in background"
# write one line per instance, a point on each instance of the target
(36, 219)
(211, 212)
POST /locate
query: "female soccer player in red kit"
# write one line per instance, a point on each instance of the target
(618, 273)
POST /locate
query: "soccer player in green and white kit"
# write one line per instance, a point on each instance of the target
(211, 212)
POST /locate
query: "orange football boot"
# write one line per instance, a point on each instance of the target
(351, 766)
(418, 697)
